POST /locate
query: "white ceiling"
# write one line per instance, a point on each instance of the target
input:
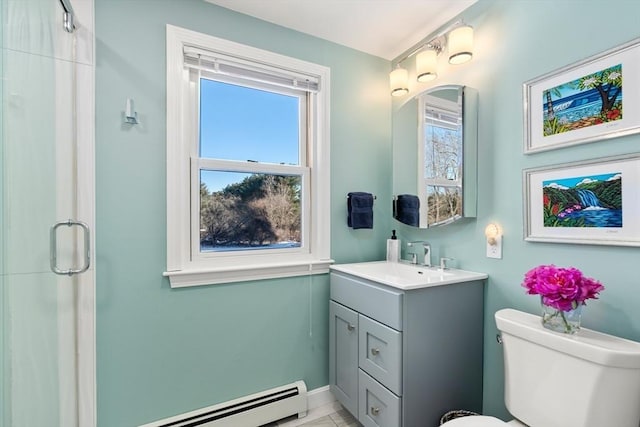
(384, 28)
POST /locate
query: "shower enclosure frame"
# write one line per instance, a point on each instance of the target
(71, 105)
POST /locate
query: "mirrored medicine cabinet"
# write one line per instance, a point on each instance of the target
(435, 141)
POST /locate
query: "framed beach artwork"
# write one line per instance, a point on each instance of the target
(591, 100)
(590, 202)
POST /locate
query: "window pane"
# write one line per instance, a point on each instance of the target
(242, 123)
(443, 149)
(243, 211)
(444, 203)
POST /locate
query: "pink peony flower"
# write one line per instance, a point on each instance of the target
(561, 288)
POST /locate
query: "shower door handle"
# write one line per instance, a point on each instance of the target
(53, 248)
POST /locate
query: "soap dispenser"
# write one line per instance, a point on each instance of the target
(393, 248)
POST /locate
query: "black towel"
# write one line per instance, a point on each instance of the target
(408, 209)
(360, 210)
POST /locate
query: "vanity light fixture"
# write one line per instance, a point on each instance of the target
(460, 48)
(461, 44)
(494, 240)
(427, 63)
(399, 81)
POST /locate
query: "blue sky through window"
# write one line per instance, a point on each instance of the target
(241, 123)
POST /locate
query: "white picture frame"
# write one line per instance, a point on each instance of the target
(590, 100)
(559, 205)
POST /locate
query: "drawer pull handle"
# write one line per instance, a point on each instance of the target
(375, 351)
(350, 327)
(374, 410)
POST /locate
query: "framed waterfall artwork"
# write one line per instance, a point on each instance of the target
(591, 100)
(593, 202)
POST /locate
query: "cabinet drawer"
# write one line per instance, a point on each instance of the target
(380, 353)
(376, 301)
(377, 406)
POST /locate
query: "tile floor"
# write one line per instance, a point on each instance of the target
(330, 415)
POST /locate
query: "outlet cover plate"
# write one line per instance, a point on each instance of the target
(495, 251)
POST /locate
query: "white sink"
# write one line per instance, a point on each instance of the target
(407, 276)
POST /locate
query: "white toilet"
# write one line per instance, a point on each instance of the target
(589, 379)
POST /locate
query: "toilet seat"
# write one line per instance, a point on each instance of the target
(476, 421)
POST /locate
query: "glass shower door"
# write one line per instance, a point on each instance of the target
(41, 185)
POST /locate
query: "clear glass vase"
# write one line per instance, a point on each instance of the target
(567, 322)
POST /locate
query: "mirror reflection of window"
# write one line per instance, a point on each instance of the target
(442, 167)
(435, 145)
(444, 204)
(442, 140)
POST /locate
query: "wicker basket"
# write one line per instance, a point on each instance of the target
(452, 415)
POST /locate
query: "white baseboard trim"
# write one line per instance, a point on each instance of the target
(319, 397)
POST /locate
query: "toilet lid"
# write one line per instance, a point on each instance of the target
(475, 421)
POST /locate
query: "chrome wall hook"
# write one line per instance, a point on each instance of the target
(130, 114)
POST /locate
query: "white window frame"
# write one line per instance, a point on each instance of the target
(186, 266)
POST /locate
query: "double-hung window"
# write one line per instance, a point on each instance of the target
(247, 162)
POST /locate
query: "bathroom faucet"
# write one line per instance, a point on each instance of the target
(427, 252)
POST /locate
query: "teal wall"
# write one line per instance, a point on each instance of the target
(516, 41)
(162, 352)
(4, 370)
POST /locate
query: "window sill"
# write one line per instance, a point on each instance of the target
(214, 276)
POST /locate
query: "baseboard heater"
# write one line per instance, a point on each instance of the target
(249, 411)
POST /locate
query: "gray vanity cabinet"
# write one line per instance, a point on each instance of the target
(405, 357)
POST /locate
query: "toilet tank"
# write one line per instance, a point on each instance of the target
(589, 379)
